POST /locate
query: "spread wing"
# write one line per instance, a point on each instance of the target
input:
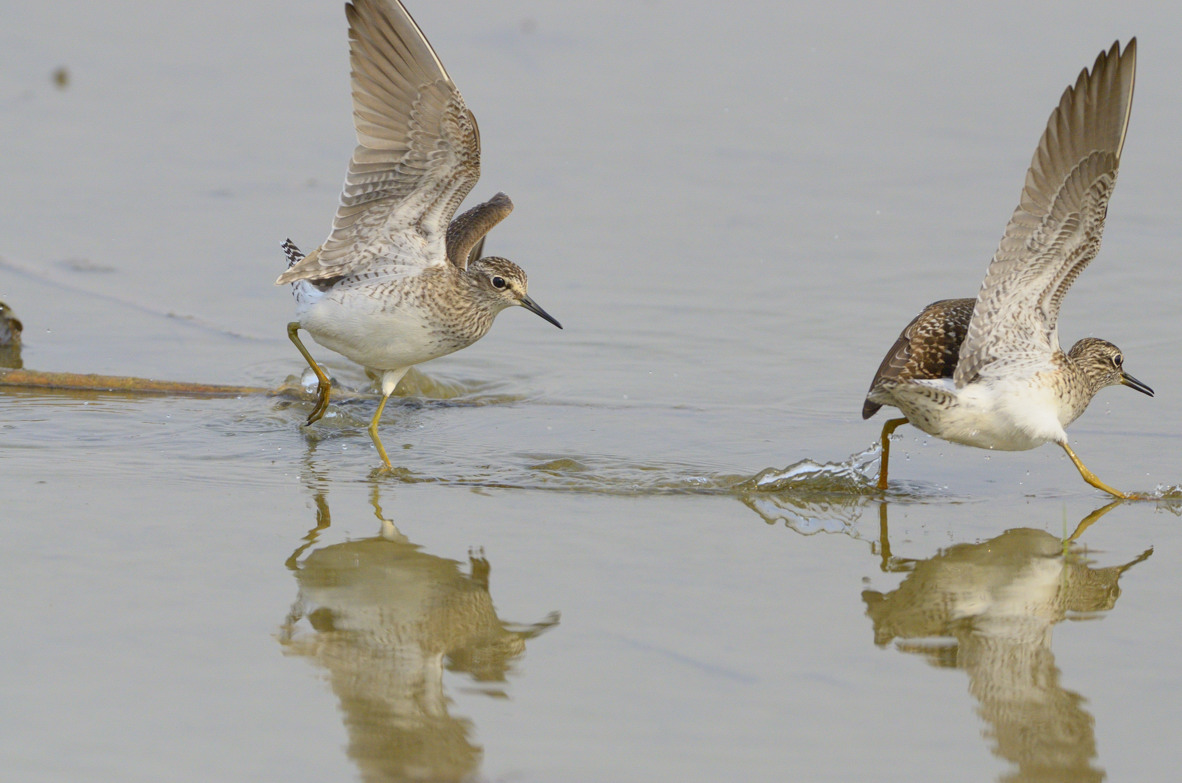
(465, 235)
(418, 147)
(1055, 231)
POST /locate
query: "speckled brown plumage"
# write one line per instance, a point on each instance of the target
(398, 281)
(927, 348)
(989, 372)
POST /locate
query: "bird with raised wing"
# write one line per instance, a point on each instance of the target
(989, 372)
(398, 282)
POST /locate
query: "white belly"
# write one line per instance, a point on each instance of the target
(1012, 415)
(372, 334)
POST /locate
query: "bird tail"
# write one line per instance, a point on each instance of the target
(294, 256)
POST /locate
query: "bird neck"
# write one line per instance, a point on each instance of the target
(469, 316)
(1078, 385)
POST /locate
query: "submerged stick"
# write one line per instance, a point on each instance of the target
(69, 381)
(13, 377)
(17, 379)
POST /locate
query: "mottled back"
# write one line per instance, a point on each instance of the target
(928, 348)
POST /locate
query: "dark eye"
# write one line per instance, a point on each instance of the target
(1118, 360)
(498, 282)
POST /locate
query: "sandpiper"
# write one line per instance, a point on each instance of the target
(398, 282)
(989, 372)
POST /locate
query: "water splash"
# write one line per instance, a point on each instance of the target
(821, 487)
(1168, 497)
(851, 476)
(813, 490)
(812, 497)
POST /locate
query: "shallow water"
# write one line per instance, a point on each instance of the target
(642, 548)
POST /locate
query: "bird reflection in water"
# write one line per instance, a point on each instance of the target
(995, 604)
(384, 619)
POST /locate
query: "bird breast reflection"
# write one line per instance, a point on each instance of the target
(996, 603)
(385, 619)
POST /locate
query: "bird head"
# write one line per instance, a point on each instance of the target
(503, 284)
(1103, 365)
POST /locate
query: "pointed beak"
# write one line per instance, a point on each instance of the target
(1133, 383)
(532, 306)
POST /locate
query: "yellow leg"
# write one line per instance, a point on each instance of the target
(1087, 521)
(373, 432)
(888, 429)
(1090, 477)
(323, 384)
(884, 538)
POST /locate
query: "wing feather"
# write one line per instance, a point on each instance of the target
(1055, 232)
(417, 154)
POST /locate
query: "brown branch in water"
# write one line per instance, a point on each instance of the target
(17, 379)
(68, 381)
(13, 377)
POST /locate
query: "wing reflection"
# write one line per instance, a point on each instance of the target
(989, 609)
(384, 619)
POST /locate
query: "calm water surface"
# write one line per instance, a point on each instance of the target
(733, 210)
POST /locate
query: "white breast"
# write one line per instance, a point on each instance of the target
(373, 332)
(1008, 415)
